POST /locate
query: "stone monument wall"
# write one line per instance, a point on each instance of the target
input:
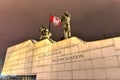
(69, 59)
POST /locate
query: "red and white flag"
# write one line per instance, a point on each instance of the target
(55, 20)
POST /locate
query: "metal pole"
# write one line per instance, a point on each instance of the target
(49, 22)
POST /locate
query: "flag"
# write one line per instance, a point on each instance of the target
(55, 20)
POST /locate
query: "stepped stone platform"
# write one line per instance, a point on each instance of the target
(69, 59)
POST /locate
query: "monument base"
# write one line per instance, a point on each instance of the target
(69, 59)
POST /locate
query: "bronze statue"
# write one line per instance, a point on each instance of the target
(65, 18)
(44, 32)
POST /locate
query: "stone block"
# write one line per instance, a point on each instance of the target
(29, 53)
(84, 46)
(64, 43)
(21, 50)
(42, 43)
(6, 68)
(54, 76)
(22, 55)
(36, 52)
(78, 56)
(28, 59)
(20, 45)
(89, 74)
(68, 66)
(21, 66)
(39, 76)
(20, 61)
(75, 40)
(47, 68)
(13, 54)
(35, 63)
(28, 70)
(41, 62)
(39, 51)
(47, 49)
(15, 67)
(107, 42)
(12, 68)
(16, 57)
(56, 46)
(14, 63)
(72, 49)
(111, 62)
(18, 66)
(119, 59)
(98, 63)
(113, 73)
(47, 61)
(10, 50)
(65, 75)
(117, 42)
(75, 65)
(86, 64)
(21, 71)
(11, 63)
(10, 59)
(30, 48)
(28, 65)
(46, 76)
(79, 75)
(54, 67)
(7, 60)
(97, 53)
(60, 52)
(87, 55)
(95, 44)
(63, 59)
(37, 57)
(45, 55)
(109, 51)
(55, 60)
(60, 67)
(40, 69)
(99, 74)
(118, 52)
(39, 44)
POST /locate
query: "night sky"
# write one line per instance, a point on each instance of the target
(91, 20)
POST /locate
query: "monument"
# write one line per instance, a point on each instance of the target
(44, 33)
(65, 18)
(68, 59)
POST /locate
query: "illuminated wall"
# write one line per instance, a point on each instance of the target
(64, 60)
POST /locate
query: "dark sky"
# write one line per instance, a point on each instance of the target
(91, 19)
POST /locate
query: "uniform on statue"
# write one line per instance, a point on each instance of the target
(65, 18)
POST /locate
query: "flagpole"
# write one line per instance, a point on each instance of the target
(49, 22)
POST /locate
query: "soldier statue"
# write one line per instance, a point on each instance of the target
(65, 19)
(44, 32)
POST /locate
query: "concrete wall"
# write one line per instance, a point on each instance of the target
(70, 59)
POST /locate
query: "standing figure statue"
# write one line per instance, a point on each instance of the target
(44, 32)
(65, 18)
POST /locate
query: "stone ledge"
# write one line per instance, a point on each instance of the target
(19, 46)
(66, 43)
(42, 43)
(117, 42)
